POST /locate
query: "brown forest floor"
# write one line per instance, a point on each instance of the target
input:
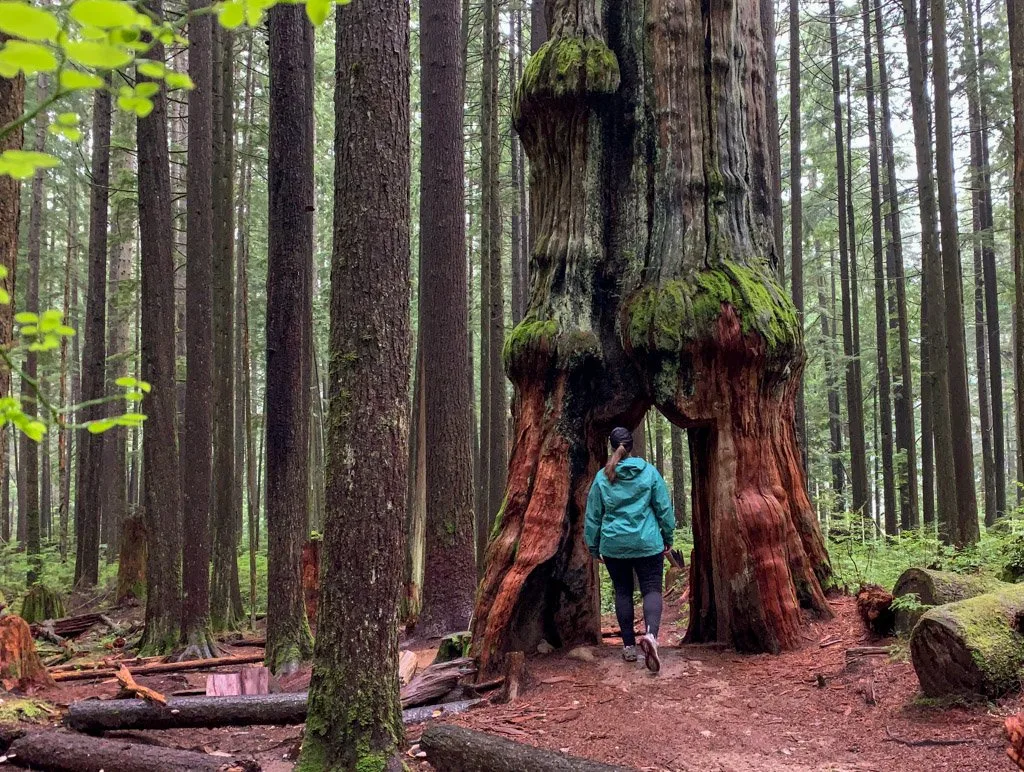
(709, 710)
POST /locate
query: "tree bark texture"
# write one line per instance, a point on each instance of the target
(796, 216)
(937, 588)
(290, 249)
(88, 499)
(652, 287)
(450, 569)
(198, 414)
(161, 490)
(1015, 17)
(354, 712)
(678, 476)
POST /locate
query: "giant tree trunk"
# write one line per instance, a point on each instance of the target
(1015, 17)
(661, 299)
(354, 720)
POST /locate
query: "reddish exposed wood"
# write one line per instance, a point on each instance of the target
(311, 577)
(128, 684)
(20, 665)
(163, 667)
(249, 680)
(874, 605)
(515, 678)
(70, 752)
(1015, 731)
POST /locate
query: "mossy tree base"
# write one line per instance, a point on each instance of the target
(651, 287)
(971, 648)
(41, 603)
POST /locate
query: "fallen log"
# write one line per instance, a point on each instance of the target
(971, 648)
(71, 627)
(129, 686)
(69, 752)
(162, 667)
(936, 588)
(435, 682)
(456, 749)
(98, 716)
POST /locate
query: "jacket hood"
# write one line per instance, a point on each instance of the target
(630, 468)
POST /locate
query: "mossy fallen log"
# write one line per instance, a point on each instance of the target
(69, 752)
(456, 749)
(973, 647)
(936, 588)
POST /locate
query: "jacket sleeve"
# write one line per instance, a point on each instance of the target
(594, 517)
(664, 512)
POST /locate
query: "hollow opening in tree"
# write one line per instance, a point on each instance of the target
(651, 286)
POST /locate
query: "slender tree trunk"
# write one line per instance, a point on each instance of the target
(538, 26)
(965, 526)
(64, 435)
(416, 501)
(659, 443)
(450, 578)
(30, 378)
(517, 260)
(854, 394)
(835, 427)
(224, 611)
(88, 493)
(354, 715)
(290, 250)
(161, 487)
(988, 258)
(774, 146)
(881, 323)
(12, 103)
(969, 62)
(903, 388)
(196, 455)
(796, 224)
(678, 476)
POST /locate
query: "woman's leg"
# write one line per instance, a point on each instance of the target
(650, 572)
(621, 572)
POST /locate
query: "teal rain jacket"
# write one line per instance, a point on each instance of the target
(631, 517)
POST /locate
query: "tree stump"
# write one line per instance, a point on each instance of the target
(20, 666)
(131, 567)
(41, 603)
(971, 648)
(652, 286)
(874, 605)
(936, 588)
(454, 646)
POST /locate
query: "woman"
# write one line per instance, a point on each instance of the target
(629, 528)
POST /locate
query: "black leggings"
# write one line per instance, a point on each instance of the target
(649, 572)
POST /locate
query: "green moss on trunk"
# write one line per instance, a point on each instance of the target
(566, 67)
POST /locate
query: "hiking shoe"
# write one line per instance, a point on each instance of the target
(629, 653)
(649, 647)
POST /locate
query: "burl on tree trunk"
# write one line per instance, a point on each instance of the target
(650, 286)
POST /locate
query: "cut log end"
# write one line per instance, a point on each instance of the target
(936, 588)
(874, 605)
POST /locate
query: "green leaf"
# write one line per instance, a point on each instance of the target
(150, 69)
(126, 381)
(73, 135)
(34, 430)
(130, 419)
(68, 119)
(5, 297)
(72, 80)
(98, 427)
(105, 14)
(231, 14)
(141, 106)
(102, 56)
(147, 89)
(23, 21)
(26, 317)
(29, 58)
(145, 386)
(29, 329)
(179, 80)
(317, 11)
(65, 331)
(22, 164)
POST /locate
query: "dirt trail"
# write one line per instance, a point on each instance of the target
(713, 710)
